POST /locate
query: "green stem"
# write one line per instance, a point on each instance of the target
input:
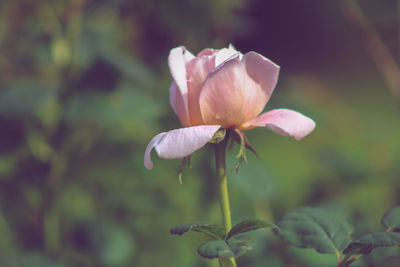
(222, 183)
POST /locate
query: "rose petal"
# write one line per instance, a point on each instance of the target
(206, 52)
(224, 54)
(187, 55)
(177, 59)
(284, 122)
(263, 71)
(197, 70)
(173, 97)
(237, 90)
(154, 142)
(179, 143)
(177, 104)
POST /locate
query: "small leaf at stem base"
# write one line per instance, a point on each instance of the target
(215, 231)
(249, 225)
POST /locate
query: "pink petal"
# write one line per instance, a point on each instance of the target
(173, 89)
(284, 122)
(237, 90)
(177, 104)
(177, 59)
(179, 143)
(197, 70)
(206, 52)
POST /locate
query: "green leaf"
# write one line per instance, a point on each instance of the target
(234, 247)
(215, 231)
(239, 245)
(391, 219)
(215, 249)
(183, 228)
(367, 243)
(249, 225)
(315, 228)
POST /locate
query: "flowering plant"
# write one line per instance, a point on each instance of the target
(216, 95)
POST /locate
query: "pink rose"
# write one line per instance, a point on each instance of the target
(221, 89)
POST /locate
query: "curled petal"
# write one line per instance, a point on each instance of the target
(177, 59)
(284, 122)
(153, 143)
(179, 143)
(237, 90)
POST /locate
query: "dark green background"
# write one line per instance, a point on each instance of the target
(84, 88)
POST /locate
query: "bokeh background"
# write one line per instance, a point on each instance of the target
(84, 88)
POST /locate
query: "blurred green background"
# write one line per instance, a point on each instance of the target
(84, 88)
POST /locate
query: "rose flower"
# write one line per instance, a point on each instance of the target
(221, 89)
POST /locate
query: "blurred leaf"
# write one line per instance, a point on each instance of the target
(60, 50)
(117, 247)
(125, 113)
(249, 225)
(315, 228)
(391, 219)
(347, 168)
(234, 247)
(129, 67)
(77, 203)
(253, 179)
(7, 242)
(39, 146)
(216, 231)
(24, 96)
(50, 112)
(367, 243)
(7, 165)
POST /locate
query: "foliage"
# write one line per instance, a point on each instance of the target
(315, 228)
(223, 245)
(326, 232)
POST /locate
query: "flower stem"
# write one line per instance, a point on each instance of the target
(222, 183)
